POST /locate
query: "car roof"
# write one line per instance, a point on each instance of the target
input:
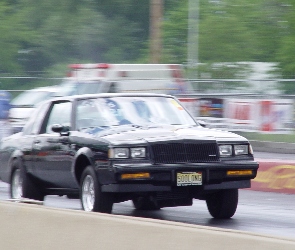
(87, 96)
(47, 88)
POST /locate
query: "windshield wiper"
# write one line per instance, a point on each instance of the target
(127, 125)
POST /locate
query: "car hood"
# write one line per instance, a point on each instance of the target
(128, 134)
(20, 112)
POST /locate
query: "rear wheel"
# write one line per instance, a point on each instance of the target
(73, 196)
(22, 185)
(145, 203)
(16, 189)
(223, 204)
(92, 198)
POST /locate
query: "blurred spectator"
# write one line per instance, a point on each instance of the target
(5, 98)
(5, 128)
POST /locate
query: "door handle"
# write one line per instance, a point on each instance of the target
(58, 140)
(52, 140)
(36, 141)
(64, 140)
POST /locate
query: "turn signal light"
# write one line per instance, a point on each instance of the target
(135, 176)
(239, 172)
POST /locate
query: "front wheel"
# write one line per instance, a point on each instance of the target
(223, 204)
(92, 199)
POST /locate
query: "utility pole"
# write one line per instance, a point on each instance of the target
(156, 17)
(192, 36)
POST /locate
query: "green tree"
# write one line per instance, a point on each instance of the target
(222, 36)
(175, 34)
(13, 35)
(42, 35)
(73, 31)
(286, 52)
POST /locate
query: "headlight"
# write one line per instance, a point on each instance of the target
(225, 150)
(241, 149)
(119, 153)
(124, 153)
(137, 152)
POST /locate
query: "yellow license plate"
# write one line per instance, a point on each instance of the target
(189, 178)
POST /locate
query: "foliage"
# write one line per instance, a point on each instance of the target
(235, 31)
(175, 34)
(287, 48)
(13, 35)
(38, 36)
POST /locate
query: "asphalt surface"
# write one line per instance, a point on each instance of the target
(258, 212)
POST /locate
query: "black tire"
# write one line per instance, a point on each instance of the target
(223, 204)
(22, 182)
(92, 199)
(73, 196)
(145, 203)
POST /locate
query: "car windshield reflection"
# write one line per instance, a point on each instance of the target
(102, 113)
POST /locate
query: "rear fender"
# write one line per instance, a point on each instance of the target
(16, 155)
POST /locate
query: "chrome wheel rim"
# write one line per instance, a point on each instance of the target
(88, 194)
(17, 185)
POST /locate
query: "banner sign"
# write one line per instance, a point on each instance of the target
(249, 115)
(241, 114)
(279, 116)
(275, 176)
(191, 104)
(211, 107)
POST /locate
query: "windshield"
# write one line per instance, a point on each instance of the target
(31, 97)
(71, 87)
(141, 111)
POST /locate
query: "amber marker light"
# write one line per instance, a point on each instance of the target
(135, 176)
(239, 172)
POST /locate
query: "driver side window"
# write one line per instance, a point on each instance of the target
(60, 114)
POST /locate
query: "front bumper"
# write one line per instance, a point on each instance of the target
(139, 188)
(163, 177)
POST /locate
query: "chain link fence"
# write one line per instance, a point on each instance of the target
(262, 108)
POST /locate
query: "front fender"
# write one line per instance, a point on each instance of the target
(87, 152)
(82, 159)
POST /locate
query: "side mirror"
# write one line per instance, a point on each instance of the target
(59, 128)
(202, 123)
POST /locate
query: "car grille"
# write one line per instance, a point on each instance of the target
(185, 152)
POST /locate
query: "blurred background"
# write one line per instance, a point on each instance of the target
(237, 55)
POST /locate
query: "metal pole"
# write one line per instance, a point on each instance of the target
(192, 37)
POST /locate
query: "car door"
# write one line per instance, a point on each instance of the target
(53, 154)
(26, 138)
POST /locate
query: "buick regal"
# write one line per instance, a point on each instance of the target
(110, 148)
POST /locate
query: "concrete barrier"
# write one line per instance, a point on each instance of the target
(273, 147)
(28, 226)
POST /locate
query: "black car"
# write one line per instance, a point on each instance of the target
(109, 148)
